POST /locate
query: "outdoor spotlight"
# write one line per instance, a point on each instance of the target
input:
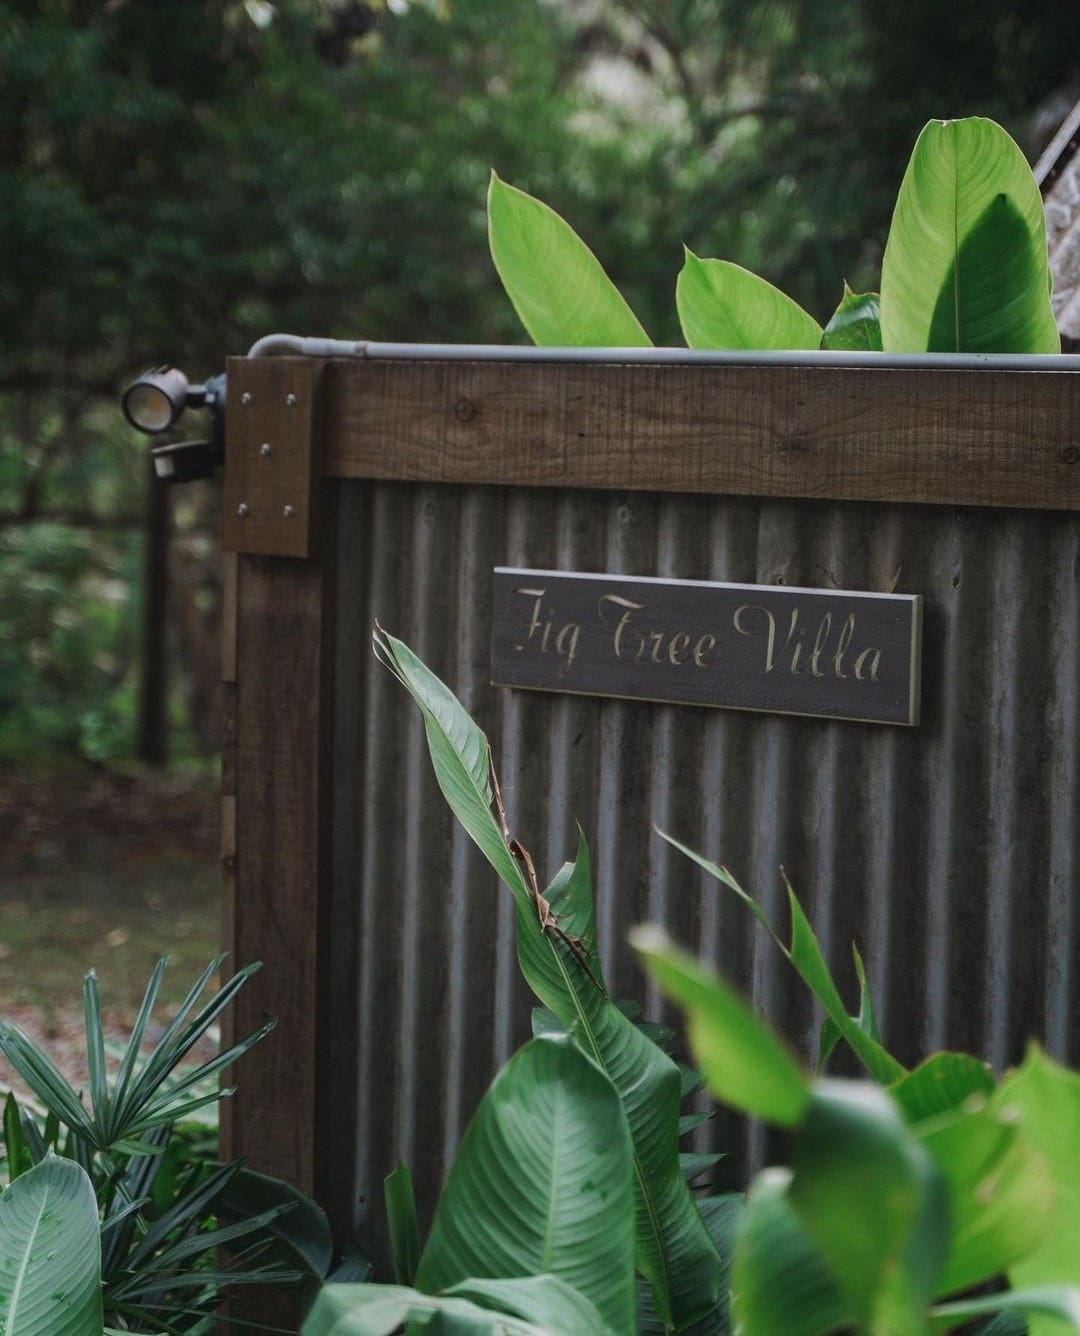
(155, 401)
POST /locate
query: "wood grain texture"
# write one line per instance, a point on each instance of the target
(228, 616)
(282, 721)
(986, 438)
(272, 464)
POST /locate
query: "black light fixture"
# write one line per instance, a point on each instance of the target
(153, 404)
(154, 401)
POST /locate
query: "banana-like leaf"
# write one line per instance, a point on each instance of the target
(545, 1300)
(386, 1310)
(743, 1063)
(541, 1184)
(940, 1084)
(50, 1253)
(873, 1202)
(722, 305)
(404, 1230)
(780, 1282)
(965, 267)
(555, 283)
(855, 325)
(1052, 1308)
(1046, 1098)
(1000, 1192)
(806, 955)
(674, 1251)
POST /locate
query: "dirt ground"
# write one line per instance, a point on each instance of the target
(107, 871)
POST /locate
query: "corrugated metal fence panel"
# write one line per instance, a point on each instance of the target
(948, 852)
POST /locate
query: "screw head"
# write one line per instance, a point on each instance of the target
(1071, 454)
(245, 398)
(288, 512)
(243, 510)
(290, 399)
(265, 450)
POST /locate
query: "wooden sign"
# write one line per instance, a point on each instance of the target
(826, 652)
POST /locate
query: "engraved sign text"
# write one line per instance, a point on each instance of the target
(834, 653)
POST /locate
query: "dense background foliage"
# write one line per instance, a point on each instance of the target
(178, 178)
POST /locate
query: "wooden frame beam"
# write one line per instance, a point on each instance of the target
(980, 438)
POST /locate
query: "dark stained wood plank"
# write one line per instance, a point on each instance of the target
(282, 723)
(228, 617)
(987, 438)
(272, 466)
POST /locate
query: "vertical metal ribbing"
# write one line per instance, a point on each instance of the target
(1062, 723)
(949, 852)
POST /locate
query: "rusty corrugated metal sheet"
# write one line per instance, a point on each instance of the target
(950, 852)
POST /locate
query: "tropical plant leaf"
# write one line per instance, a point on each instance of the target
(541, 1184)
(50, 1253)
(865, 1019)
(555, 283)
(401, 1218)
(1046, 1098)
(1057, 1304)
(17, 1152)
(545, 1300)
(45, 1080)
(674, 1251)
(300, 1233)
(806, 956)
(386, 1310)
(872, 1201)
(742, 1061)
(695, 1163)
(460, 757)
(855, 325)
(780, 1282)
(965, 266)
(1000, 1191)
(722, 305)
(940, 1084)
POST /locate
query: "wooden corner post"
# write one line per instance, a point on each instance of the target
(276, 773)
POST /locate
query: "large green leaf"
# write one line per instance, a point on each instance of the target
(855, 325)
(674, 1251)
(387, 1310)
(556, 284)
(806, 955)
(545, 1300)
(780, 1283)
(722, 305)
(1000, 1191)
(1046, 1098)
(541, 1184)
(1059, 1305)
(965, 266)
(940, 1083)
(743, 1063)
(50, 1253)
(873, 1202)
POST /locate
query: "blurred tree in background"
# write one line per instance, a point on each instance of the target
(177, 179)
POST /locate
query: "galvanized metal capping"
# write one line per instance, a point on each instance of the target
(948, 852)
